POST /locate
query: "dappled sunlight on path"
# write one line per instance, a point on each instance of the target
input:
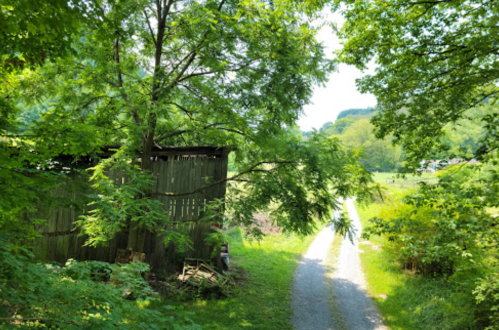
(310, 292)
(349, 286)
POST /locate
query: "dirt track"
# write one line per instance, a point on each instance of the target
(310, 290)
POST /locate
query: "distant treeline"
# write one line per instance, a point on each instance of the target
(353, 128)
(345, 119)
(354, 112)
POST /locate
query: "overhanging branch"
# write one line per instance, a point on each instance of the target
(236, 178)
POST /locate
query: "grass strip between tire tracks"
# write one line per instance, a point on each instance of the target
(331, 262)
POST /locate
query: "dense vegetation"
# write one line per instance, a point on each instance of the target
(353, 129)
(80, 76)
(424, 266)
(437, 74)
(376, 155)
(437, 61)
(458, 140)
(79, 295)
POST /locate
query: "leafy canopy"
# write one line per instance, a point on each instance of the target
(33, 30)
(436, 60)
(437, 68)
(233, 73)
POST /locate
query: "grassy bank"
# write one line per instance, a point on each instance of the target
(382, 177)
(331, 263)
(407, 300)
(261, 299)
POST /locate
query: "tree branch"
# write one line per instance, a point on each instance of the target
(193, 52)
(185, 131)
(150, 28)
(236, 178)
(197, 74)
(187, 112)
(117, 60)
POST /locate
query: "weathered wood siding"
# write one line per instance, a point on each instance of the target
(175, 173)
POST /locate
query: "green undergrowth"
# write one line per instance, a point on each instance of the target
(261, 298)
(407, 300)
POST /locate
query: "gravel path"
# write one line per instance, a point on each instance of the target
(311, 310)
(310, 290)
(349, 286)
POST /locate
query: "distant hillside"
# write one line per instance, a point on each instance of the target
(354, 130)
(361, 113)
(338, 127)
(461, 139)
(345, 118)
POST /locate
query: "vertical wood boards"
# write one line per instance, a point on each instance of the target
(176, 173)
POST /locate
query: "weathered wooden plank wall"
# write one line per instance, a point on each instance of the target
(175, 173)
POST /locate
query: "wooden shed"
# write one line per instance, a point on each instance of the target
(179, 170)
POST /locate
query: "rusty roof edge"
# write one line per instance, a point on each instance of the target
(174, 150)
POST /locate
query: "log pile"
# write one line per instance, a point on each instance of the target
(126, 256)
(197, 273)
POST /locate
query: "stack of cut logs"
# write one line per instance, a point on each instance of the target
(196, 272)
(126, 256)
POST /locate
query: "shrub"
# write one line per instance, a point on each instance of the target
(34, 295)
(445, 231)
(487, 296)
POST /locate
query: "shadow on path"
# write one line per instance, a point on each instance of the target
(349, 286)
(356, 307)
(311, 309)
(310, 291)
